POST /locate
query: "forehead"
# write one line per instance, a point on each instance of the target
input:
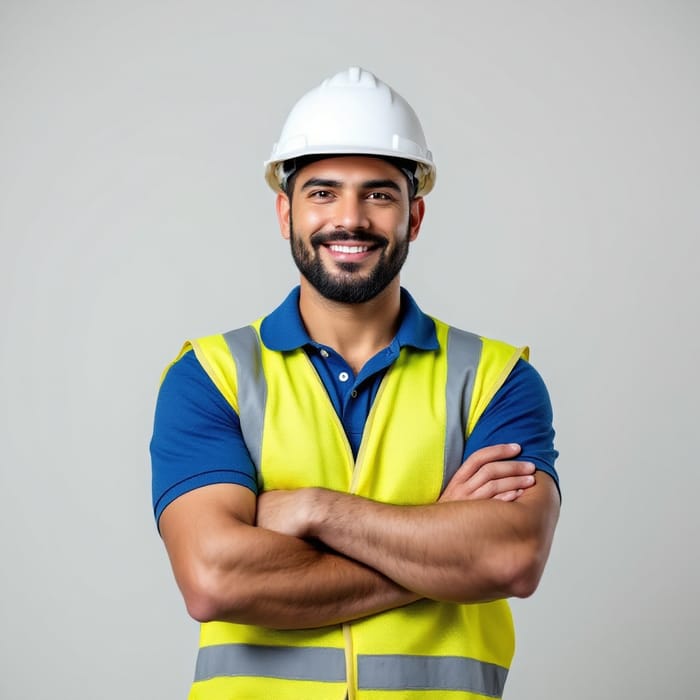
(351, 171)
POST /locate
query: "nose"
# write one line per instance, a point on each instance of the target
(351, 213)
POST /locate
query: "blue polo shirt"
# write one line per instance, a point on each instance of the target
(197, 437)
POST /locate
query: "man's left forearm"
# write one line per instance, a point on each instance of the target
(463, 551)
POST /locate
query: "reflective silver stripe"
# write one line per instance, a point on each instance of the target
(463, 354)
(244, 345)
(408, 672)
(322, 664)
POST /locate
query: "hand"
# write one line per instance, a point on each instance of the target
(490, 472)
(284, 511)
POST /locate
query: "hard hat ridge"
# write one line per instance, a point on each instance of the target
(352, 113)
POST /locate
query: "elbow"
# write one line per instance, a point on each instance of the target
(525, 571)
(208, 599)
(525, 554)
(202, 606)
(526, 583)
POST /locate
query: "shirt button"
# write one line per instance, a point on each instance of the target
(324, 352)
(343, 376)
(353, 393)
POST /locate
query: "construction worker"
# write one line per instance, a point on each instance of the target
(349, 489)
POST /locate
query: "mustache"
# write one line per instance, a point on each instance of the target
(339, 235)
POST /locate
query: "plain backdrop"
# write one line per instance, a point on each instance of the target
(133, 215)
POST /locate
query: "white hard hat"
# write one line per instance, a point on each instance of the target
(352, 113)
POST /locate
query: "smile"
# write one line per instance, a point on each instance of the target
(337, 248)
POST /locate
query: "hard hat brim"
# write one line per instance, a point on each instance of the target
(425, 171)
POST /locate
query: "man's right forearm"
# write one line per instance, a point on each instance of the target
(287, 583)
(231, 570)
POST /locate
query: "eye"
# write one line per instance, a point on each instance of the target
(320, 194)
(381, 196)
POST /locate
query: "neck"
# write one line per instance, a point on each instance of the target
(355, 331)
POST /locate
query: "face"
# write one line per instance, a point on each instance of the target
(350, 223)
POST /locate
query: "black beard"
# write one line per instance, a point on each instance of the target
(346, 287)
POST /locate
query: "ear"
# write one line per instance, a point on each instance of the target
(283, 207)
(416, 214)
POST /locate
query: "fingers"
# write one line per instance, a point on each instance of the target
(494, 479)
(505, 488)
(508, 496)
(497, 471)
(492, 453)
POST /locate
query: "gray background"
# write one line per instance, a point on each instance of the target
(133, 214)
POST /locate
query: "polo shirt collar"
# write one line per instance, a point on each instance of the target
(284, 330)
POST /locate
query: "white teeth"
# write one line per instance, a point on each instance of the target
(336, 248)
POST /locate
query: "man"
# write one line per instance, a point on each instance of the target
(337, 484)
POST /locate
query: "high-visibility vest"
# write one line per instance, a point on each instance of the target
(413, 442)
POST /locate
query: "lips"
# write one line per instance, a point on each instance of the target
(345, 248)
(349, 252)
(347, 242)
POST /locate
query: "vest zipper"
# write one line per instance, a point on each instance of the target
(347, 626)
(349, 666)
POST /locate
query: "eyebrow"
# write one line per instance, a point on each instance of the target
(367, 185)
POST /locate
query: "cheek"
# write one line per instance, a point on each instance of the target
(399, 225)
(308, 219)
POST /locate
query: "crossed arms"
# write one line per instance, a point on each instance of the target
(314, 557)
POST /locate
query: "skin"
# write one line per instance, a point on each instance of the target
(356, 331)
(313, 557)
(460, 551)
(230, 569)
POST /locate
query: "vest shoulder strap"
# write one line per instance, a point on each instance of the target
(477, 367)
(244, 348)
(215, 357)
(463, 357)
(497, 362)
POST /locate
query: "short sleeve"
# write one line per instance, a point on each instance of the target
(520, 412)
(197, 438)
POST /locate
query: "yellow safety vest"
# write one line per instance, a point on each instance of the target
(412, 444)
